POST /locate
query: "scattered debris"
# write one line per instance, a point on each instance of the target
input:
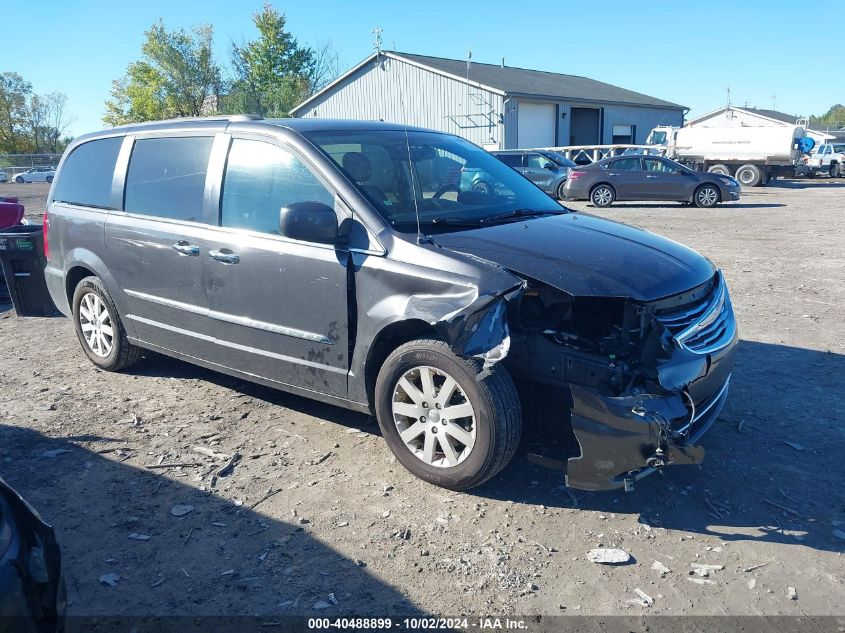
(753, 567)
(752, 583)
(701, 581)
(660, 567)
(269, 494)
(229, 465)
(783, 507)
(385, 514)
(321, 458)
(791, 593)
(111, 579)
(157, 583)
(322, 604)
(608, 556)
(209, 452)
(703, 567)
(332, 599)
(175, 465)
(343, 524)
(54, 453)
(137, 536)
(181, 509)
(794, 445)
(645, 599)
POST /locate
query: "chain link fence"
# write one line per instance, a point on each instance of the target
(13, 164)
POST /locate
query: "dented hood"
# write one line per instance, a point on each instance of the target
(586, 256)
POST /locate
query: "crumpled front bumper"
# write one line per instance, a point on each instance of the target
(625, 438)
(32, 589)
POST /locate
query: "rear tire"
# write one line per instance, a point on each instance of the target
(49, 179)
(724, 170)
(835, 170)
(99, 328)
(749, 175)
(706, 196)
(482, 187)
(490, 430)
(19, 180)
(602, 196)
(561, 190)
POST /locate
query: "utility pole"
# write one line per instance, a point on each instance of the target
(377, 43)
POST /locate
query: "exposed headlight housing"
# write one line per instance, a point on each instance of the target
(728, 180)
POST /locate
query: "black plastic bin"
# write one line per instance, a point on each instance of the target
(22, 259)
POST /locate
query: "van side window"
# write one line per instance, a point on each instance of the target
(86, 176)
(166, 177)
(260, 179)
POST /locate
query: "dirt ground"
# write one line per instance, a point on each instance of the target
(318, 511)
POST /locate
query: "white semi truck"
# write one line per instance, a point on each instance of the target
(753, 155)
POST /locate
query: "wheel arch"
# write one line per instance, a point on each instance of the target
(80, 263)
(388, 339)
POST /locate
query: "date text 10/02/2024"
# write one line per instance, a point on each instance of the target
(417, 623)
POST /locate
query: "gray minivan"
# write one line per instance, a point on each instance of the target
(352, 262)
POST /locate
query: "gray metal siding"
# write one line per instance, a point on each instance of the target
(398, 92)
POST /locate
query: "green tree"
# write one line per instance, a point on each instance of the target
(15, 95)
(833, 119)
(273, 73)
(177, 76)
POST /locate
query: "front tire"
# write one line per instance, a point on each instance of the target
(561, 190)
(835, 170)
(19, 180)
(482, 187)
(99, 328)
(602, 196)
(448, 420)
(706, 197)
(49, 179)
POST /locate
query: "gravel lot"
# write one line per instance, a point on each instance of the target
(317, 511)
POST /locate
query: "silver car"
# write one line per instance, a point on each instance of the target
(36, 174)
(545, 168)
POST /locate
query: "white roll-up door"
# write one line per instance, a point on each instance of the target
(536, 125)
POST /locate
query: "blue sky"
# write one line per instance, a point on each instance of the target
(681, 51)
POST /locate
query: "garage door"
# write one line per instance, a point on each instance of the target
(536, 125)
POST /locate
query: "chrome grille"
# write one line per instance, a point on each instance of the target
(705, 324)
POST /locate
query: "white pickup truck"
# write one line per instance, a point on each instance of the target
(827, 158)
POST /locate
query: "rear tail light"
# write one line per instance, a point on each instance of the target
(45, 233)
(574, 175)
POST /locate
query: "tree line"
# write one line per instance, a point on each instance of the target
(833, 119)
(31, 123)
(177, 75)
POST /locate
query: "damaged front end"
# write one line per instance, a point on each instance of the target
(647, 379)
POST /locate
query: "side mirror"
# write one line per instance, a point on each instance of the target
(550, 166)
(310, 222)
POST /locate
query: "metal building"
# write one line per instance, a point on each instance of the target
(495, 106)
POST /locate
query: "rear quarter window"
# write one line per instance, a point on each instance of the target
(166, 177)
(86, 177)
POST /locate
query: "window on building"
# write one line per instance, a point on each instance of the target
(624, 134)
(87, 174)
(625, 164)
(260, 179)
(166, 177)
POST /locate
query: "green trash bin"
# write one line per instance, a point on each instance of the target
(23, 262)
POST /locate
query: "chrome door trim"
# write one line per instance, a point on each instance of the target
(230, 318)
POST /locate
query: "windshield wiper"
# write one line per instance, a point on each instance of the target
(519, 213)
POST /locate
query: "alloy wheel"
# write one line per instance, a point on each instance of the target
(707, 197)
(434, 417)
(96, 324)
(602, 197)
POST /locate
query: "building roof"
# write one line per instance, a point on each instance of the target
(517, 82)
(781, 117)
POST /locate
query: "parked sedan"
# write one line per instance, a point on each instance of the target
(545, 168)
(36, 174)
(3, 176)
(645, 177)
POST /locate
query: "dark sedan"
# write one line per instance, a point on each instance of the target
(644, 177)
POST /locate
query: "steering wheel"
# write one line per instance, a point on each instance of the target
(450, 186)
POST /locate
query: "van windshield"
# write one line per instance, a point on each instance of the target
(447, 180)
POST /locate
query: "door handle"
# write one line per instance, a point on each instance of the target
(226, 256)
(613, 174)
(185, 248)
(651, 177)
